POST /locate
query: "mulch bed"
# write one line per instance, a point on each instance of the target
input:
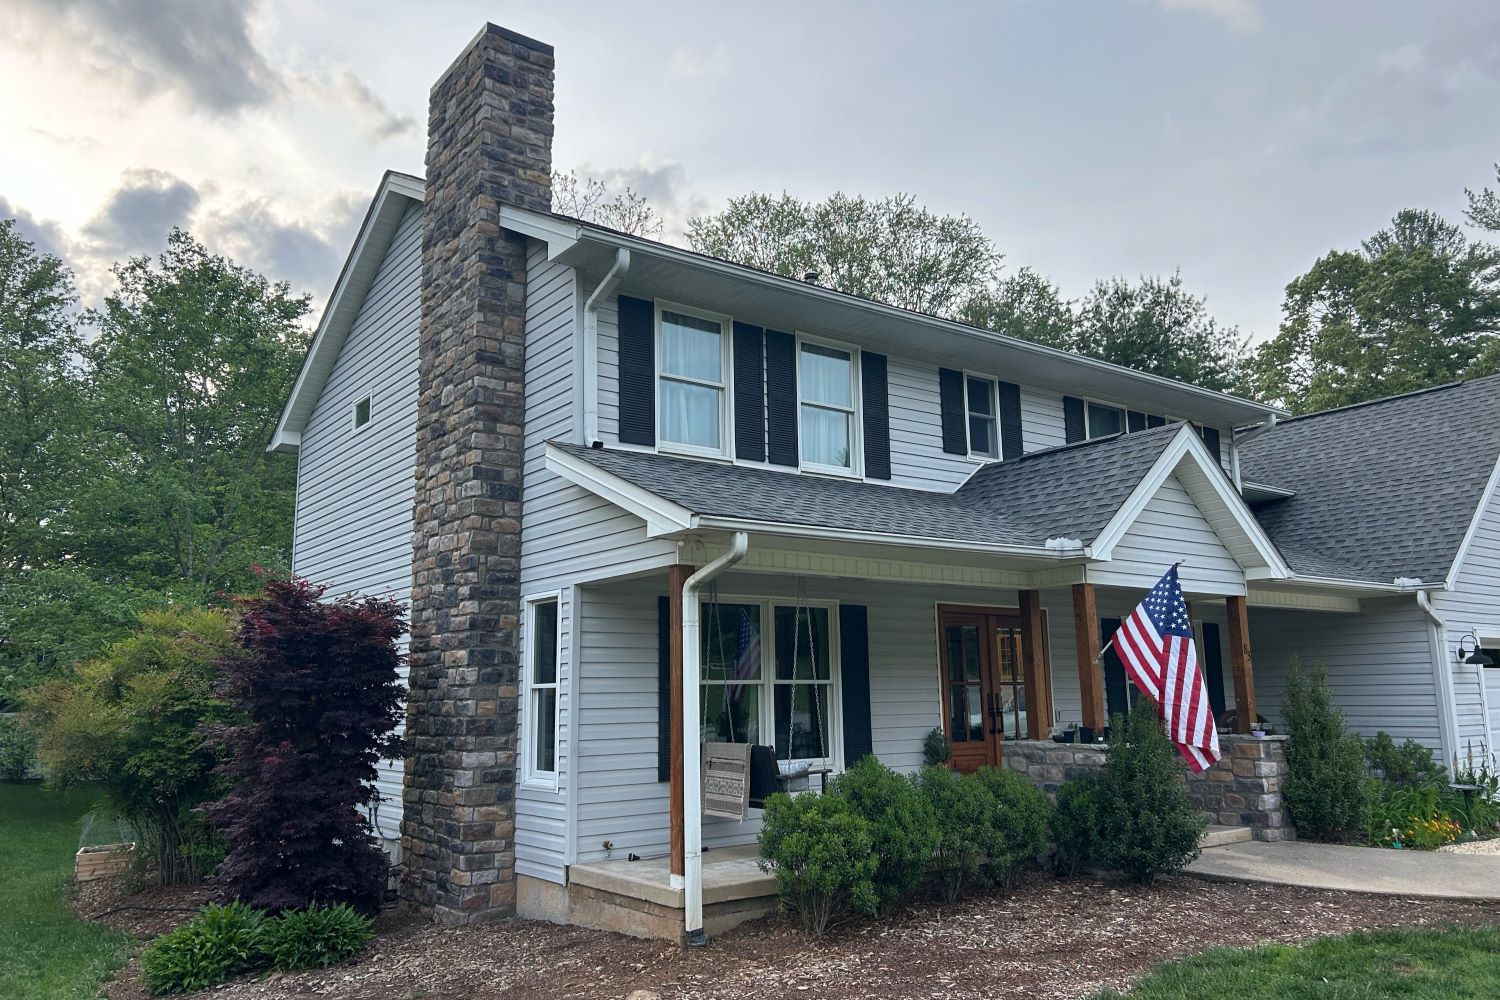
(1047, 940)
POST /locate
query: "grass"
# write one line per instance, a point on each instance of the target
(46, 953)
(1453, 964)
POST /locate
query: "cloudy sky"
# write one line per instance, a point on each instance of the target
(1235, 139)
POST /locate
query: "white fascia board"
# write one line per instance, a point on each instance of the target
(662, 516)
(395, 193)
(1491, 490)
(786, 530)
(558, 234)
(1367, 586)
(1186, 446)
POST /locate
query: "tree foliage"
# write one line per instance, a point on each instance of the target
(1483, 210)
(591, 200)
(890, 250)
(1417, 305)
(1325, 788)
(131, 721)
(1026, 304)
(194, 358)
(40, 378)
(318, 685)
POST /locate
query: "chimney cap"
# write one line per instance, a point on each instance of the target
(811, 276)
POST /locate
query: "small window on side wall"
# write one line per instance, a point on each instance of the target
(539, 727)
(363, 411)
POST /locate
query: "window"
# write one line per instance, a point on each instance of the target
(826, 378)
(362, 412)
(778, 693)
(984, 432)
(1105, 420)
(540, 727)
(692, 380)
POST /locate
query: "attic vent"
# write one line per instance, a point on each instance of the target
(811, 276)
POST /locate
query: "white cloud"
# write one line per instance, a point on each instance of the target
(1241, 15)
(692, 64)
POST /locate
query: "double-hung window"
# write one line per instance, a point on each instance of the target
(692, 379)
(540, 726)
(1105, 420)
(826, 381)
(768, 677)
(984, 429)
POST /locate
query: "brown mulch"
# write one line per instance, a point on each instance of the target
(135, 905)
(1048, 940)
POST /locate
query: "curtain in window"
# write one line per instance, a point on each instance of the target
(827, 376)
(825, 436)
(691, 349)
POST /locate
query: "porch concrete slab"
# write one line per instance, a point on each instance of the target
(1354, 869)
(729, 873)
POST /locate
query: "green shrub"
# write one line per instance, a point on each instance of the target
(1325, 789)
(1414, 817)
(822, 853)
(903, 828)
(965, 811)
(218, 945)
(315, 937)
(1408, 766)
(1480, 810)
(17, 750)
(1074, 822)
(1147, 825)
(936, 750)
(1018, 824)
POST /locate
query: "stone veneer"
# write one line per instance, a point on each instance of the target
(489, 143)
(1242, 789)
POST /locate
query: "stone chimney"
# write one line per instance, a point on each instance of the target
(489, 143)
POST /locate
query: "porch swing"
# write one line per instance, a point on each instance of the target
(767, 773)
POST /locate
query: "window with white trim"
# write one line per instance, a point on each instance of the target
(825, 381)
(781, 693)
(363, 411)
(984, 426)
(540, 725)
(1105, 420)
(692, 379)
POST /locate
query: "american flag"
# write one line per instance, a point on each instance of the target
(1156, 646)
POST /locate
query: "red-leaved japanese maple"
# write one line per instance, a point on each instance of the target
(319, 688)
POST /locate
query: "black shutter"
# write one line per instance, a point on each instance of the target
(663, 690)
(1011, 443)
(1073, 426)
(875, 396)
(1134, 421)
(1116, 687)
(749, 392)
(781, 398)
(1213, 667)
(1211, 438)
(951, 406)
(854, 678)
(637, 371)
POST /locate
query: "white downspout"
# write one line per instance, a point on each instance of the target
(1448, 709)
(602, 291)
(692, 760)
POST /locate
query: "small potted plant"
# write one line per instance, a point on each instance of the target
(935, 748)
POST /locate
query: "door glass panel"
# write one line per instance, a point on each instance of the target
(972, 661)
(976, 712)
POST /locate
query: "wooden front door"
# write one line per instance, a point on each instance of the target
(983, 688)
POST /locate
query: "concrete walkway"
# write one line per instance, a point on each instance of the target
(1355, 869)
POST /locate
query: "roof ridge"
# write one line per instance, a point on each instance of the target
(1410, 393)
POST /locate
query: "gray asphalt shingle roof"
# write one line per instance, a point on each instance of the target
(1384, 489)
(1068, 492)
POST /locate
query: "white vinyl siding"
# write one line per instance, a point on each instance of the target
(1474, 606)
(1171, 528)
(355, 488)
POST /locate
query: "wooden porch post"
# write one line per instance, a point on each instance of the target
(1086, 640)
(676, 576)
(1034, 666)
(1239, 663)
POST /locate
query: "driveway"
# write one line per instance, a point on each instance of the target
(1355, 869)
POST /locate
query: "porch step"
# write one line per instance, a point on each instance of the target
(1219, 836)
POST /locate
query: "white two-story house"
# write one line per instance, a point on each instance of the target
(641, 499)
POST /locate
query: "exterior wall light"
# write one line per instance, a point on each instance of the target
(1475, 657)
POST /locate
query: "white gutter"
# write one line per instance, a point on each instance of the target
(602, 291)
(692, 762)
(1443, 674)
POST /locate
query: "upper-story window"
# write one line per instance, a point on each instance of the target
(692, 375)
(984, 429)
(826, 383)
(363, 410)
(1105, 420)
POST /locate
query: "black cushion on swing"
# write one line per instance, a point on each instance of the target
(764, 776)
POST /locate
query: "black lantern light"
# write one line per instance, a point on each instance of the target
(1473, 656)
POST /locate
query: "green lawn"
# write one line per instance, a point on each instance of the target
(1452, 964)
(45, 952)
